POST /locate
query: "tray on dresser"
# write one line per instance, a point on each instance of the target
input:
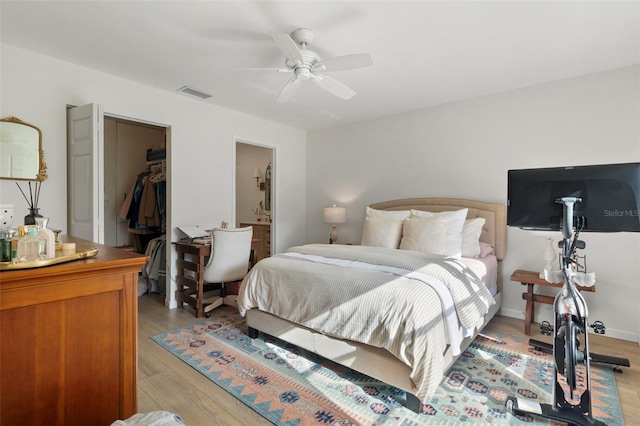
(60, 258)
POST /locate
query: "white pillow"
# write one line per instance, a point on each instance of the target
(388, 214)
(455, 223)
(424, 234)
(381, 232)
(471, 237)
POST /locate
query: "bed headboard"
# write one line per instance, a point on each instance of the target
(494, 231)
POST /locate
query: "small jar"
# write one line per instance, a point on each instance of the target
(68, 248)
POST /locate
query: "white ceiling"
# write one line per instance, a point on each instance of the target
(425, 53)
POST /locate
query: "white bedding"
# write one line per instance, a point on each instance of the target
(486, 268)
(454, 333)
(372, 306)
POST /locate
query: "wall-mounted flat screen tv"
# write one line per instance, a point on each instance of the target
(610, 196)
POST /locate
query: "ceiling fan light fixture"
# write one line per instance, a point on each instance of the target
(303, 73)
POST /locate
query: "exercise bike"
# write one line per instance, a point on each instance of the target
(570, 310)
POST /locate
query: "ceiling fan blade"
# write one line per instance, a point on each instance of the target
(289, 89)
(333, 86)
(265, 69)
(347, 62)
(288, 46)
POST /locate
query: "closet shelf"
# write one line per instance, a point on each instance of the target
(158, 154)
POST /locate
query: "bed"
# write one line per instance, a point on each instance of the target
(421, 343)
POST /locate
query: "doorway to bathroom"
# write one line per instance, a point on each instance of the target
(255, 189)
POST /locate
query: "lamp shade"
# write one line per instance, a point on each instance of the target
(334, 214)
(257, 173)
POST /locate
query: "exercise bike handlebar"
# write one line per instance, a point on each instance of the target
(567, 217)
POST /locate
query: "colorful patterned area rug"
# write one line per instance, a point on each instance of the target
(290, 386)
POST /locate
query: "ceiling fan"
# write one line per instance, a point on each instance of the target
(307, 65)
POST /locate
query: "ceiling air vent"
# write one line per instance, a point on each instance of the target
(194, 92)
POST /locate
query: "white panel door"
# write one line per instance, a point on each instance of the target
(85, 174)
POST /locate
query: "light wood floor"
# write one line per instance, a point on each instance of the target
(166, 383)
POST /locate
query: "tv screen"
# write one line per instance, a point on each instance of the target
(610, 196)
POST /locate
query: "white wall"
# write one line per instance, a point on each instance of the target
(464, 150)
(201, 146)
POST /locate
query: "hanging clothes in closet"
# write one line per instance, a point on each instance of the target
(144, 206)
(155, 268)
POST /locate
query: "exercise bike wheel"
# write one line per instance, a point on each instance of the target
(570, 352)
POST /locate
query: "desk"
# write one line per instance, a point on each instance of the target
(530, 278)
(193, 258)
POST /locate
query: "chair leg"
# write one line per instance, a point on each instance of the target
(210, 307)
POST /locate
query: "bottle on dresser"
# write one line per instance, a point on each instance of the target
(5, 244)
(14, 243)
(48, 237)
(31, 247)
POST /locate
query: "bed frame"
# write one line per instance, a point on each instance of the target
(378, 362)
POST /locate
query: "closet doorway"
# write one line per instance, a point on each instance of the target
(132, 149)
(105, 154)
(255, 189)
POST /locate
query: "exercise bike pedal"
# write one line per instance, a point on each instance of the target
(598, 327)
(545, 328)
(523, 407)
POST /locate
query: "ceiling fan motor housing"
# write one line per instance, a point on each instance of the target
(310, 59)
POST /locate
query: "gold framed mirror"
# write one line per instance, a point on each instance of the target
(21, 154)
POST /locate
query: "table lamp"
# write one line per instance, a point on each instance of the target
(334, 215)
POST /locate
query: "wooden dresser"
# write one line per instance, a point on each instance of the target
(68, 340)
(262, 232)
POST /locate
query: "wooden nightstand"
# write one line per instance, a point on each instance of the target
(261, 232)
(530, 278)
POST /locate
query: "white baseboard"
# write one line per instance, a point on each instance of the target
(511, 313)
(545, 313)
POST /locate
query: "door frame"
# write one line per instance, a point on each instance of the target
(274, 199)
(98, 230)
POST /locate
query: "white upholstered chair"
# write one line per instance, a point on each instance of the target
(229, 262)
